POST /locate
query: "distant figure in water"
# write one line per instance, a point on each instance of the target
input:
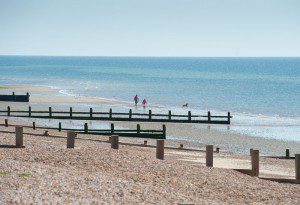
(136, 99)
(144, 103)
(186, 105)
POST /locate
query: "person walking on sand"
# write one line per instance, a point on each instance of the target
(136, 99)
(144, 103)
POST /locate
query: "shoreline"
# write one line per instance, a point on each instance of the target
(232, 138)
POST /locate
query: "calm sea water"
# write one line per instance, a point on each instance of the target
(263, 93)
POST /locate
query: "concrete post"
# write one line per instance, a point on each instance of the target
(114, 141)
(209, 155)
(297, 166)
(71, 139)
(160, 146)
(255, 163)
(19, 136)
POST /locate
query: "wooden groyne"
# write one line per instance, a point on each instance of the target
(15, 98)
(119, 116)
(137, 133)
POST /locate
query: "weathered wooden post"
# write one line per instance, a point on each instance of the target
(19, 136)
(71, 139)
(6, 122)
(150, 114)
(255, 163)
(251, 150)
(228, 118)
(181, 146)
(190, 116)
(170, 115)
(110, 113)
(160, 146)
(164, 130)
(287, 153)
(112, 128)
(130, 113)
(145, 143)
(208, 116)
(209, 155)
(86, 128)
(59, 126)
(91, 113)
(50, 112)
(29, 111)
(71, 112)
(138, 129)
(297, 166)
(33, 125)
(114, 141)
(8, 110)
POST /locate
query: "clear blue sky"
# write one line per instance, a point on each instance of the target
(150, 28)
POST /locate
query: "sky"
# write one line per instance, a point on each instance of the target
(234, 28)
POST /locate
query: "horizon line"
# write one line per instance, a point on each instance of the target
(132, 56)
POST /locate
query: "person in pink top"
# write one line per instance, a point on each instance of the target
(136, 99)
(144, 102)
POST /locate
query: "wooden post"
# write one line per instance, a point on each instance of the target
(150, 114)
(130, 113)
(33, 125)
(228, 118)
(71, 112)
(19, 136)
(138, 129)
(59, 126)
(190, 116)
(27, 94)
(164, 130)
(251, 150)
(112, 128)
(114, 141)
(13, 93)
(208, 116)
(297, 166)
(8, 110)
(71, 139)
(6, 122)
(110, 113)
(170, 115)
(209, 155)
(160, 146)
(145, 143)
(29, 111)
(287, 153)
(181, 146)
(86, 128)
(255, 163)
(50, 112)
(91, 113)
(217, 150)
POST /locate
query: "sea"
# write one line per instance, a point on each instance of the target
(262, 94)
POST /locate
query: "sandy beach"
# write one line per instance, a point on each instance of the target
(45, 171)
(191, 135)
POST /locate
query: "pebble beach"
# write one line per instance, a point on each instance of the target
(45, 171)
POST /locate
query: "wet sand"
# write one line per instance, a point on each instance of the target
(191, 135)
